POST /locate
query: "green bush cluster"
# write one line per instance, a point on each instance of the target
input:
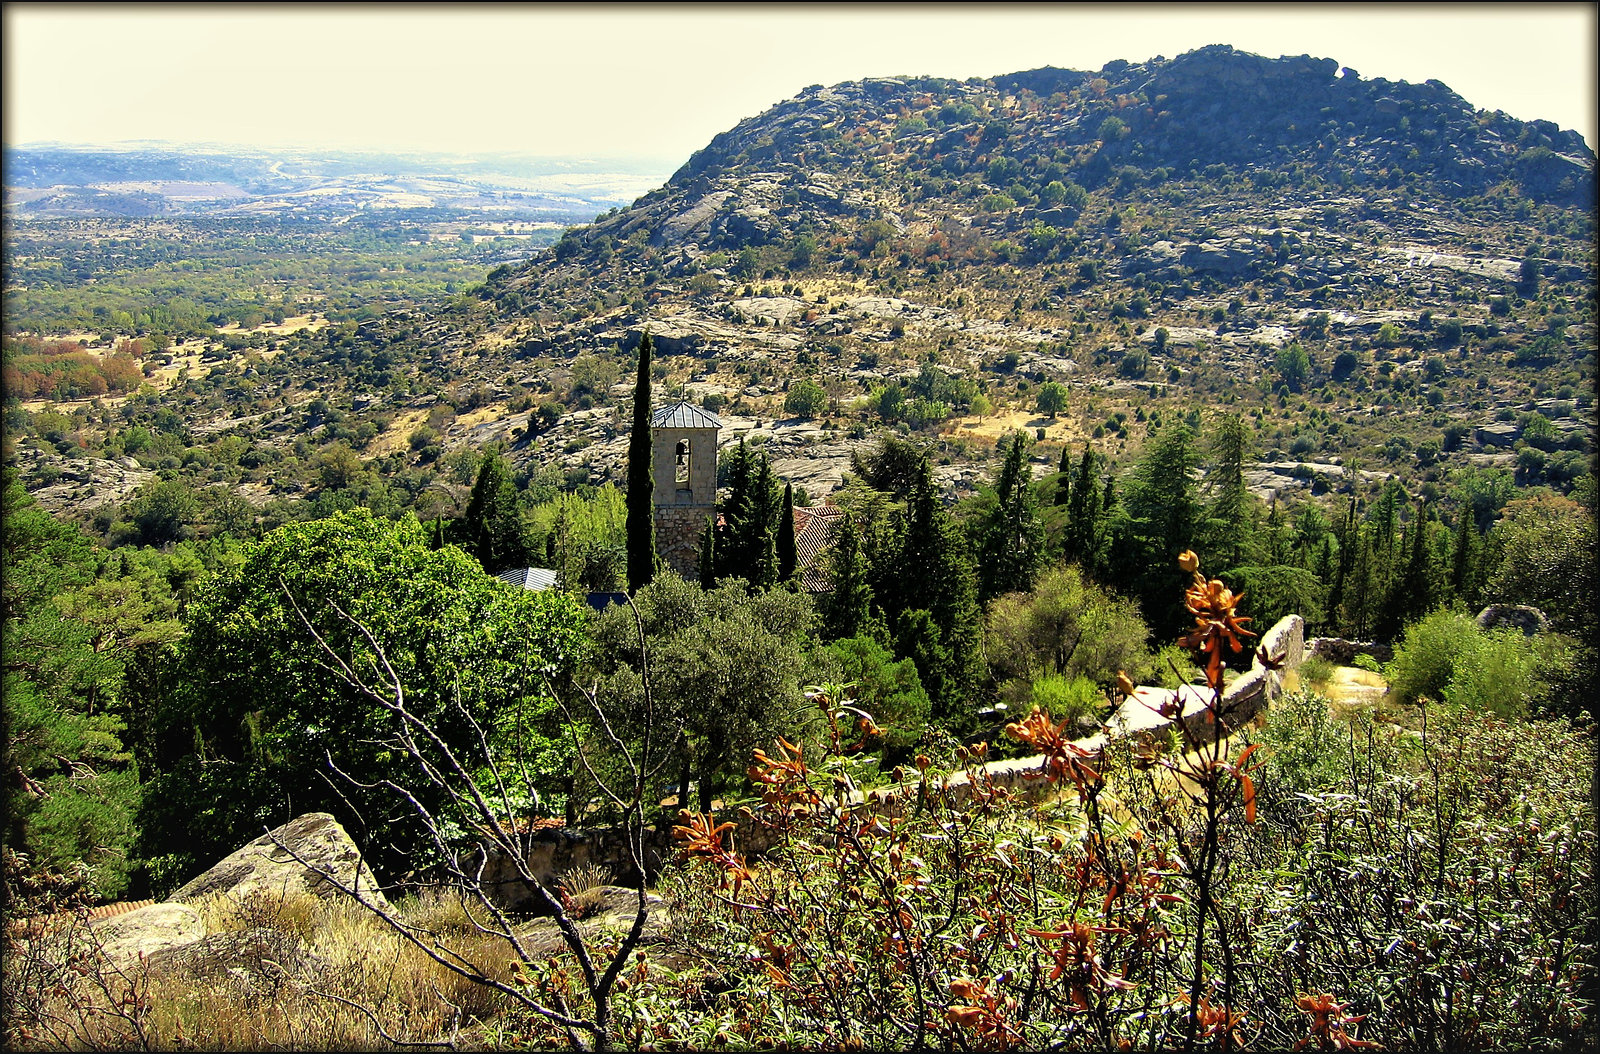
(1445, 657)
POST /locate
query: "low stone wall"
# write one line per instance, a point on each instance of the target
(1343, 652)
(551, 852)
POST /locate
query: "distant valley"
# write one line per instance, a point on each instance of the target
(56, 182)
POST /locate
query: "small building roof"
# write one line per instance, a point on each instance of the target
(535, 578)
(814, 531)
(684, 415)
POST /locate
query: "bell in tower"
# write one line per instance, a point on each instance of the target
(684, 466)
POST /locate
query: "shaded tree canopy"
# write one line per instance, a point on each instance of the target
(250, 736)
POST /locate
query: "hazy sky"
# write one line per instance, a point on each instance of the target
(660, 81)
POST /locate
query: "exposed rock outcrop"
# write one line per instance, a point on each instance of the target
(124, 939)
(270, 863)
(259, 959)
(1530, 620)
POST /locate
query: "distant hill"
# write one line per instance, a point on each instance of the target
(166, 180)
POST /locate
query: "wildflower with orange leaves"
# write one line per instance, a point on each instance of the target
(701, 836)
(983, 1013)
(1216, 620)
(1328, 1020)
(1065, 759)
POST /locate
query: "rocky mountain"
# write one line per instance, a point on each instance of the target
(1372, 271)
(1203, 210)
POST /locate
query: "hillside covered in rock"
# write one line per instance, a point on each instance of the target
(1373, 270)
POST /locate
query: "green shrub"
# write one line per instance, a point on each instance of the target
(1495, 674)
(1305, 751)
(1174, 667)
(1063, 698)
(1367, 662)
(1316, 671)
(1425, 660)
(1446, 657)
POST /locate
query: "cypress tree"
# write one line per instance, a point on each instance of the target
(1064, 484)
(1230, 514)
(1414, 589)
(1464, 557)
(1165, 513)
(641, 526)
(788, 558)
(848, 610)
(1081, 538)
(937, 576)
(763, 526)
(731, 561)
(708, 555)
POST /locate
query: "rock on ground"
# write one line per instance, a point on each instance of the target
(269, 863)
(123, 939)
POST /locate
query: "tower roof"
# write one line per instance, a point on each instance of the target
(684, 415)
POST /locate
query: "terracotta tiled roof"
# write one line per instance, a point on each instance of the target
(814, 530)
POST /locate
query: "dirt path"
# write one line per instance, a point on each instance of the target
(1351, 689)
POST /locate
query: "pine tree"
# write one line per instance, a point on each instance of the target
(493, 519)
(1011, 538)
(641, 527)
(787, 557)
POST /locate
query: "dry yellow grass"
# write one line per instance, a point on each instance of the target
(352, 970)
(1004, 422)
(397, 436)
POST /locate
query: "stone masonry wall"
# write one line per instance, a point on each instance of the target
(678, 530)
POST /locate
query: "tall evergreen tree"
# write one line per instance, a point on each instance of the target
(708, 555)
(493, 517)
(1165, 511)
(848, 610)
(736, 468)
(788, 559)
(766, 501)
(1081, 537)
(1415, 588)
(1011, 539)
(1348, 539)
(1465, 576)
(1231, 513)
(1362, 586)
(641, 526)
(748, 547)
(937, 575)
(1064, 474)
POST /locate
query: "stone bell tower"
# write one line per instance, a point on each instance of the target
(683, 439)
